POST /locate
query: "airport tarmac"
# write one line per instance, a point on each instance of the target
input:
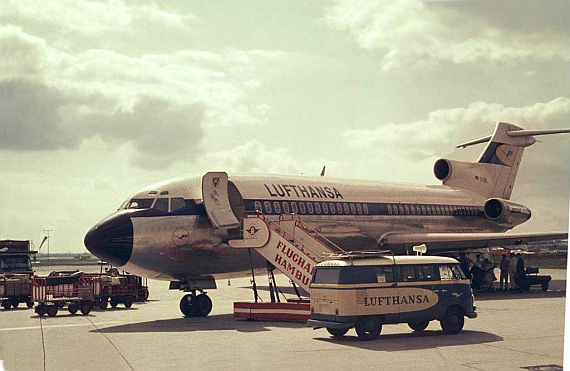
(508, 335)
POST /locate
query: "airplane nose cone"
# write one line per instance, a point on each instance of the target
(111, 239)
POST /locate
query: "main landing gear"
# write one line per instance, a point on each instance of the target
(192, 305)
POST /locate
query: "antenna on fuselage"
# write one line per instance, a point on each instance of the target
(323, 171)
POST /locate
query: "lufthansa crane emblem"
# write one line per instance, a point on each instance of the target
(215, 181)
(252, 230)
(181, 236)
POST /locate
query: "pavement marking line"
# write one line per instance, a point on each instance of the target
(110, 342)
(50, 327)
(43, 342)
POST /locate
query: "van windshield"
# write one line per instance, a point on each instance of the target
(326, 275)
(354, 274)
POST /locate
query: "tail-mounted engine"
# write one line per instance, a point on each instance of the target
(506, 213)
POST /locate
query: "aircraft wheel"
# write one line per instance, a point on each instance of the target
(52, 310)
(186, 306)
(453, 321)
(368, 328)
(203, 305)
(336, 332)
(418, 326)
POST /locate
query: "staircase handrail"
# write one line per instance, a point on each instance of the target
(306, 226)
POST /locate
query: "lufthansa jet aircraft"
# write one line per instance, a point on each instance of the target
(174, 231)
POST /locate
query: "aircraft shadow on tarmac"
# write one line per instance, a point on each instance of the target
(210, 323)
(414, 340)
(557, 290)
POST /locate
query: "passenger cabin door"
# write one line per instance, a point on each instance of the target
(216, 200)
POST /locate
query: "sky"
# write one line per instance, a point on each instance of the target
(99, 99)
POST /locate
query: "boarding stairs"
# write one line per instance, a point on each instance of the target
(291, 245)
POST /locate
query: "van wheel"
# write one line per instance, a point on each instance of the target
(337, 332)
(453, 321)
(418, 326)
(368, 328)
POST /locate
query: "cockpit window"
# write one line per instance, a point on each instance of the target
(177, 203)
(161, 204)
(140, 203)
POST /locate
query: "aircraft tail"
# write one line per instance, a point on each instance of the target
(494, 173)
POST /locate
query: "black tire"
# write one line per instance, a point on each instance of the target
(15, 302)
(203, 305)
(30, 303)
(52, 310)
(7, 304)
(72, 309)
(544, 286)
(453, 321)
(85, 308)
(337, 332)
(418, 326)
(41, 309)
(368, 328)
(103, 303)
(114, 302)
(128, 302)
(186, 306)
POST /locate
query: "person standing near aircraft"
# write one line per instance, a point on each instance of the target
(512, 270)
(520, 268)
(504, 272)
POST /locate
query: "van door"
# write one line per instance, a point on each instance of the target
(216, 200)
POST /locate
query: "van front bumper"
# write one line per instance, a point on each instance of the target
(316, 324)
(471, 315)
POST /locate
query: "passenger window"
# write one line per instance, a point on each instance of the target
(384, 274)
(277, 207)
(401, 209)
(365, 207)
(406, 274)
(333, 210)
(346, 208)
(389, 209)
(423, 209)
(413, 209)
(325, 208)
(294, 209)
(352, 209)
(310, 207)
(178, 203)
(407, 209)
(339, 208)
(426, 273)
(256, 204)
(359, 208)
(395, 209)
(286, 207)
(317, 207)
(267, 207)
(302, 208)
(161, 205)
(428, 209)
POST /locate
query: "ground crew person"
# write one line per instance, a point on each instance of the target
(504, 272)
(513, 270)
(520, 268)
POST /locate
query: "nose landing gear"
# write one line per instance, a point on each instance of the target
(192, 305)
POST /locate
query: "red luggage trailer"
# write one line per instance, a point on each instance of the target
(15, 289)
(117, 289)
(55, 291)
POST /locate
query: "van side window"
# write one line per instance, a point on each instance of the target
(426, 273)
(458, 273)
(384, 274)
(450, 272)
(406, 274)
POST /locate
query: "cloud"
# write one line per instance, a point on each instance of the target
(94, 17)
(414, 33)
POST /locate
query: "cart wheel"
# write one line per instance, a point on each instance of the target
(30, 303)
(52, 310)
(85, 309)
(6, 304)
(114, 302)
(15, 302)
(368, 328)
(128, 302)
(41, 309)
(72, 309)
(103, 303)
(544, 286)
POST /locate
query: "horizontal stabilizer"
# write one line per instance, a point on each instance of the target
(400, 242)
(515, 134)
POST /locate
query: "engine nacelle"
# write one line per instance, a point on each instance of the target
(506, 213)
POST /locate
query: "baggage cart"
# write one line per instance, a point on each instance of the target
(60, 289)
(15, 289)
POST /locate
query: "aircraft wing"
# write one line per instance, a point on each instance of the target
(401, 242)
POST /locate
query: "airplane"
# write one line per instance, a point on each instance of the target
(177, 231)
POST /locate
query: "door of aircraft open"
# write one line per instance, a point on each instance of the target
(216, 200)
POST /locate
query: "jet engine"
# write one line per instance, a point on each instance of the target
(505, 212)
